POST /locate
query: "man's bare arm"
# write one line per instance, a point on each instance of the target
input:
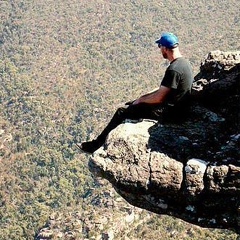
(153, 91)
(155, 97)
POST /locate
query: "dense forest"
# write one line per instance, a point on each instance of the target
(64, 68)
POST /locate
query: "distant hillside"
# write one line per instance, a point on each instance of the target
(64, 67)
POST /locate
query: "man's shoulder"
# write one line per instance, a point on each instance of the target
(179, 63)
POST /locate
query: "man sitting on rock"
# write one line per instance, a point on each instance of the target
(167, 103)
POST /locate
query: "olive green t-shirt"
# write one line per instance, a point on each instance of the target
(178, 77)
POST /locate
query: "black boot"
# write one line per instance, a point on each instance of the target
(93, 145)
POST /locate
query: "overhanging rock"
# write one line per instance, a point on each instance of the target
(196, 191)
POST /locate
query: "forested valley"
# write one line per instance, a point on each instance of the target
(65, 66)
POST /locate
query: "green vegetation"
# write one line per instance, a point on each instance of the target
(64, 67)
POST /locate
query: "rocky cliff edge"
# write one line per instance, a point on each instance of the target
(190, 170)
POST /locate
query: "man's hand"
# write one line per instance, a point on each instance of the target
(137, 101)
(130, 102)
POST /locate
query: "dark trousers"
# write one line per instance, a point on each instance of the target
(134, 112)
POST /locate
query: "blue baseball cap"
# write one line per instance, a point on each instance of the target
(168, 40)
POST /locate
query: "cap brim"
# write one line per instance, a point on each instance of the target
(158, 41)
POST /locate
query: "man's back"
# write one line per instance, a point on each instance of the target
(178, 77)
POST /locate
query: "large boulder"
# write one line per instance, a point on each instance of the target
(189, 170)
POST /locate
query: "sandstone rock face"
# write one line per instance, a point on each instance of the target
(189, 170)
(218, 61)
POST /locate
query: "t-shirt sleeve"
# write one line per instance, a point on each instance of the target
(170, 79)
